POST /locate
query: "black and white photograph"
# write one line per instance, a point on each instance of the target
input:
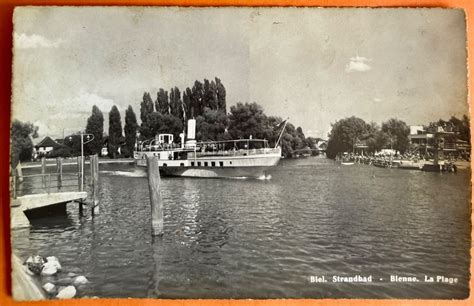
(240, 153)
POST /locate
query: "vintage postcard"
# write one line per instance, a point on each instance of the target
(240, 153)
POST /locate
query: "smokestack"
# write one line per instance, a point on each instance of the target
(191, 129)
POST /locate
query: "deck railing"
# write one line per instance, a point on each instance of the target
(241, 152)
(47, 182)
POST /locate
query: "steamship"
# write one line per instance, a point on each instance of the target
(240, 158)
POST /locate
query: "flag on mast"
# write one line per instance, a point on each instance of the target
(280, 124)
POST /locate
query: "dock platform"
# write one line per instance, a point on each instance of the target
(28, 204)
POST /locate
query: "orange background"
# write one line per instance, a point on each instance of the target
(6, 28)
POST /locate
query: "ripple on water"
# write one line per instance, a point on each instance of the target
(264, 238)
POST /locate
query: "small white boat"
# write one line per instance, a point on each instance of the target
(347, 163)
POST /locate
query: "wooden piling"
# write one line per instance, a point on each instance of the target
(14, 186)
(79, 172)
(95, 183)
(153, 172)
(43, 171)
(59, 171)
(19, 172)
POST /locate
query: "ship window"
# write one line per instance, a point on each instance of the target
(230, 163)
(165, 165)
(181, 164)
(199, 164)
(221, 164)
(192, 164)
(205, 164)
(213, 164)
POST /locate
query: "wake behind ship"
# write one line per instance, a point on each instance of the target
(240, 158)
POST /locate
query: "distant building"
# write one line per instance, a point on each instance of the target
(422, 139)
(45, 146)
(361, 147)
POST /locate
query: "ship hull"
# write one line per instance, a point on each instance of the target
(217, 166)
(228, 172)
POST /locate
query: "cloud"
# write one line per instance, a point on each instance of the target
(377, 99)
(85, 101)
(358, 64)
(24, 41)
(43, 130)
(313, 133)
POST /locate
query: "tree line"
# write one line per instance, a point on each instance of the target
(168, 113)
(346, 133)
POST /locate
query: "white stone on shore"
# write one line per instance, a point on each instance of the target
(67, 293)
(49, 268)
(81, 280)
(48, 287)
(54, 260)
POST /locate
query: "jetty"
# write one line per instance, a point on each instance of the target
(71, 161)
(45, 194)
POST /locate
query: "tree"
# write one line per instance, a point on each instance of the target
(130, 130)
(21, 148)
(95, 126)
(212, 125)
(146, 107)
(197, 96)
(377, 141)
(73, 143)
(115, 131)
(220, 92)
(170, 124)
(151, 126)
(344, 134)
(210, 95)
(397, 131)
(462, 127)
(162, 102)
(245, 120)
(176, 109)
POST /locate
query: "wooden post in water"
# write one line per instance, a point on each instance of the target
(14, 185)
(94, 159)
(59, 171)
(79, 172)
(153, 172)
(20, 172)
(43, 171)
(79, 165)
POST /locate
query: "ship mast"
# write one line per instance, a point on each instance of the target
(282, 130)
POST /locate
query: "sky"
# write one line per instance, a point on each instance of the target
(313, 65)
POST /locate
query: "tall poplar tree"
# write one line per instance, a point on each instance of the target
(220, 92)
(130, 130)
(115, 131)
(162, 102)
(95, 126)
(197, 99)
(146, 107)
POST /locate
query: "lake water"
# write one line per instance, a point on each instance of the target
(231, 238)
